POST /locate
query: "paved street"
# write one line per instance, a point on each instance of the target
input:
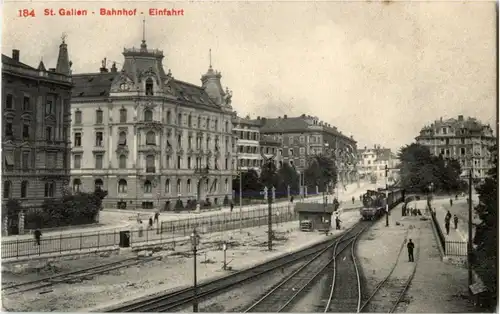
(174, 225)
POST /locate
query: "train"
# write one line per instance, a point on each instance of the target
(374, 202)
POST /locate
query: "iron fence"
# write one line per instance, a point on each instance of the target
(169, 230)
(456, 248)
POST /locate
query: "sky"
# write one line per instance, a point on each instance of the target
(379, 71)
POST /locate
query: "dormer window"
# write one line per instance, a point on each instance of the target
(148, 115)
(149, 87)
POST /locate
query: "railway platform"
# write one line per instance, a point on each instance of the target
(436, 286)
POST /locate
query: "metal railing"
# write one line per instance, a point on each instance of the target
(168, 231)
(451, 248)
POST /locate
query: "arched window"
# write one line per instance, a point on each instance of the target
(215, 187)
(150, 163)
(167, 186)
(179, 119)
(179, 186)
(198, 124)
(148, 115)
(226, 185)
(148, 188)
(190, 120)
(169, 117)
(122, 186)
(207, 181)
(7, 188)
(24, 189)
(77, 185)
(122, 138)
(150, 138)
(188, 185)
(122, 163)
(149, 87)
(98, 184)
(227, 127)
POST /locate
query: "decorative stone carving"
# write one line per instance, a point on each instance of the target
(228, 154)
(122, 150)
(228, 96)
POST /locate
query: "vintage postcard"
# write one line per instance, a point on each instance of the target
(249, 156)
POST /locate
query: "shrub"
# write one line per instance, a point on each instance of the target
(179, 205)
(77, 209)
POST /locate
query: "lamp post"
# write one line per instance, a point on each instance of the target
(240, 174)
(194, 243)
(386, 198)
(469, 242)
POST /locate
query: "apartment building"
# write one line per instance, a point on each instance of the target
(466, 140)
(148, 138)
(35, 128)
(247, 136)
(372, 163)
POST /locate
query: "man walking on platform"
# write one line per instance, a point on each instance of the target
(410, 247)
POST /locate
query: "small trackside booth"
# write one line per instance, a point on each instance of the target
(314, 217)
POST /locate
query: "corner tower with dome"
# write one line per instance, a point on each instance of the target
(148, 138)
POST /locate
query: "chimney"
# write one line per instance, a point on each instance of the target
(460, 118)
(285, 116)
(441, 119)
(365, 147)
(15, 55)
(258, 117)
(113, 68)
(103, 68)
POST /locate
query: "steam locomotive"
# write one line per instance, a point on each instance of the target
(374, 202)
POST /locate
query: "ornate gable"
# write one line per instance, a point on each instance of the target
(122, 83)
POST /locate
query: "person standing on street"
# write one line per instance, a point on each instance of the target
(410, 247)
(448, 216)
(231, 207)
(451, 202)
(455, 221)
(38, 235)
(353, 199)
(447, 225)
(157, 215)
(150, 222)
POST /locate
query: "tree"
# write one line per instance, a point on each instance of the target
(419, 169)
(250, 183)
(269, 174)
(320, 172)
(288, 176)
(486, 238)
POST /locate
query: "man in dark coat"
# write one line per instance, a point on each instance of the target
(455, 221)
(447, 225)
(231, 207)
(38, 235)
(410, 247)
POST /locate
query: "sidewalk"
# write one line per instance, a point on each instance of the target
(344, 195)
(437, 287)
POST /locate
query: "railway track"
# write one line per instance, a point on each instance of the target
(284, 294)
(390, 291)
(345, 295)
(72, 276)
(172, 301)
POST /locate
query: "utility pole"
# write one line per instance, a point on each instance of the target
(386, 198)
(241, 196)
(469, 242)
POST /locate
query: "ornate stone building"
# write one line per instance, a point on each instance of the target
(35, 129)
(148, 138)
(467, 140)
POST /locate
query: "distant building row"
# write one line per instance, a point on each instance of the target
(146, 137)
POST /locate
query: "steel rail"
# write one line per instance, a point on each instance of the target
(334, 277)
(302, 270)
(178, 298)
(380, 284)
(92, 271)
(405, 287)
(321, 271)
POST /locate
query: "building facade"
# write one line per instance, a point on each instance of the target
(148, 138)
(271, 148)
(305, 136)
(247, 136)
(36, 126)
(372, 163)
(466, 140)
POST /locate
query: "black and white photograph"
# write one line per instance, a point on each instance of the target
(249, 156)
